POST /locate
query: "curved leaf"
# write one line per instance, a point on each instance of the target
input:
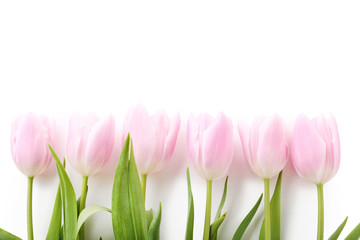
(355, 233)
(190, 218)
(245, 223)
(69, 200)
(275, 208)
(55, 223)
(215, 226)
(149, 217)
(120, 204)
(88, 212)
(222, 202)
(154, 229)
(338, 231)
(137, 202)
(8, 236)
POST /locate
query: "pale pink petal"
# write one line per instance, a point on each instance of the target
(171, 138)
(217, 148)
(100, 145)
(143, 133)
(272, 146)
(244, 130)
(79, 129)
(29, 144)
(192, 142)
(162, 125)
(308, 150)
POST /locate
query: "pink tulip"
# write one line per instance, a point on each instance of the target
(265, 145)
(154, 138)
(90, 142)
(210, 145)
(316, 148)
(30, 136)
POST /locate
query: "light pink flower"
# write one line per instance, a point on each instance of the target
(154, 137)
(210, 145)
(31, 135)
(316, 148)
(265, 145)
(90, 142)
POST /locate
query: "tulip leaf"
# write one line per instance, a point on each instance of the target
(69, 200)
(154, 229)
(121, 213)
(245, 223)
(137, 201)
(55, 223)
(149, 217)
(88, 212)
(215, 226)
(8, 236)
(338, 231)
(355, 233)
(275, 207)
(222, 202)
(190, 218)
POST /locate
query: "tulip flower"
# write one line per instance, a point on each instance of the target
(266, 151)
(89, 147)
(210, 148)
(315, 155)
(154, 139)
(30, 136)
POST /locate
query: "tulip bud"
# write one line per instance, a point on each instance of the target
(315, 149)
(90, 142)
(154, 138)
(265, 145)
(210, 145)
(31, 135)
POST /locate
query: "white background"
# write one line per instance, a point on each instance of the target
(242, 57)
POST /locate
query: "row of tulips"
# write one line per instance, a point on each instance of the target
(312, 145)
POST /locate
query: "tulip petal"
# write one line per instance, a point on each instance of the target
(171, 138)
(244, 131)
(193, 143)
(217, 148)
(272, 146)
(100, 145)
(79, 130)
(308, 150)
(143, 133)
(162, 124)
(29, 139)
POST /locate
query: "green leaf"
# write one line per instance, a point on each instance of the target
(355, 233)
(4, 235)
(88, 212)
(121, 214)
(223, 198)
(69, 200)
(154, 229)
(338, 231)
(245, 223)
(190, 218)
(275, 207)
(55, 223)
(137, 202)
(215, 226)
(222, 202)
(149, 217)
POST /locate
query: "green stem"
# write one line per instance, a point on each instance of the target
(208, 210)
(29, 209)
(143, 184)
(267, 209)
(82, 204)
(320, 229)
